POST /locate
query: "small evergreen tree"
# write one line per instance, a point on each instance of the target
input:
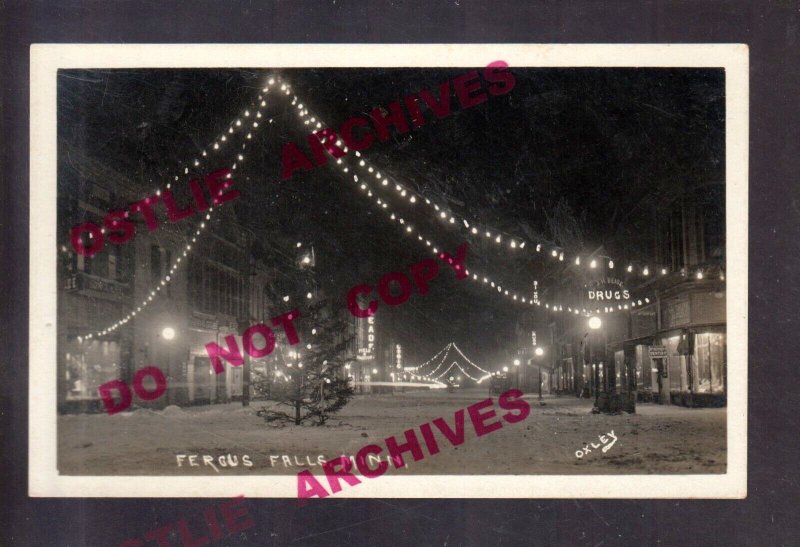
(316, 385)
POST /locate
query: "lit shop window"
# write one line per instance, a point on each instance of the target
(709, 363)
(88, 365)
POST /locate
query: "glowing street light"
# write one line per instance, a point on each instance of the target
(516, 362)
(539, 352)
(595, 323)
(505, 369)
(168, 333)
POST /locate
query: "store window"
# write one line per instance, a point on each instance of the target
(710, 362)
(88, 365)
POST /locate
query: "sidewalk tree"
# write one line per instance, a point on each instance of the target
(315, 385)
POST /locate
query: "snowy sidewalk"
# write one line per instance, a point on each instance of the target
(657, 439)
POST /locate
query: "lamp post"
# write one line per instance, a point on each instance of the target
(539, 352)
(594, 324)
(168, 334)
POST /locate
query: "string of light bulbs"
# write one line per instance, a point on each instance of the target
(430, 375)
(305, 115)
(247, 121)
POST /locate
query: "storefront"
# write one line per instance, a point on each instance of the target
(688, 321)
(83, 365)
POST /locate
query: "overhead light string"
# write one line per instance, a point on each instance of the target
(245, 125)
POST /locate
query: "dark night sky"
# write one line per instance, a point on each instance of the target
(577, 157)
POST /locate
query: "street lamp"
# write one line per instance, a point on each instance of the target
(594, 324)
(539, 352)
(505, 369)
(168, 333)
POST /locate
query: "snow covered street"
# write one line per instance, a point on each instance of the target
(657, 439)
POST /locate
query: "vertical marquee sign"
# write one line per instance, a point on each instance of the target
(366, 338)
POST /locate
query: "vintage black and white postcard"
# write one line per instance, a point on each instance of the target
(388, 271)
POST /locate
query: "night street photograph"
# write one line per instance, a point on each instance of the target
(262, 270)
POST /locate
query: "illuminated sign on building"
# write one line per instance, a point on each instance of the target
(399, 356)
(607, 289)
(366, 338)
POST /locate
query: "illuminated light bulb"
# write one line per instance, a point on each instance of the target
(538, 248)
(485, 280)
(554, 253)
(428, 243)
(361, 163)
(452, 220)
(577, 261)
(224, 138)
(370, 169)
(647, 300)
(435, 251)
(443, 214)
(408, 229)
(475, 276)
(385, 182)
(363, 186)
(345, 169)
(474, 230)
(630, 267)
(403, 193)
(249, 135)
(611, 264)
(309, 295)
(497, 239)
(286, 298)
(392, 217)
(492, 283)
(255, 124)
(699, 275)
(522, 245)
(645, 271)
(216, 147)
(488, 234)
(561, 257)
(722, 276)
(238, 122)
(593, 264)
(513, 244)
(230, 130)
(413, 199)
(523, 299)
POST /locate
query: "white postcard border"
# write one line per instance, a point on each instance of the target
(46, 59)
